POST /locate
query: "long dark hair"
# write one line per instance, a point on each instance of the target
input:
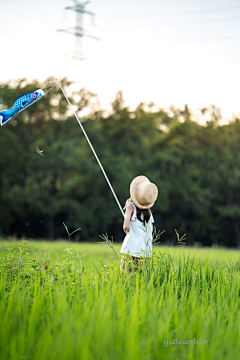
(146, 212)
(146, 215)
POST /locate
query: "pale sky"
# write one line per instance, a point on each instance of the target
(171, 52)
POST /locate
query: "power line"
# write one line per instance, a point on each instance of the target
(216, 39)
(206, 11)
(202, 21)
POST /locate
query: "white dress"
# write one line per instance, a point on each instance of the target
(138, 241)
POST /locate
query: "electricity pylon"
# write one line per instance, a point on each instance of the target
(78, 31)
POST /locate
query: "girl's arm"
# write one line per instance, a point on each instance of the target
(128, 216)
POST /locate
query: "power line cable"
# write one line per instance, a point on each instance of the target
(202, 21)
(206, 11)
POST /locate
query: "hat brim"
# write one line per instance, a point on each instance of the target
(133, 192)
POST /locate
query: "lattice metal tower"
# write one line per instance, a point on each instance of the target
(78, 31)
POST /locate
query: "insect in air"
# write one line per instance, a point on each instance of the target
(39, 151)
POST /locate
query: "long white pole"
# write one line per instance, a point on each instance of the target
(89, 142)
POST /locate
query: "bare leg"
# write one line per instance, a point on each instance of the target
(130, 264)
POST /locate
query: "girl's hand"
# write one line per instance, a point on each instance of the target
(126, 229)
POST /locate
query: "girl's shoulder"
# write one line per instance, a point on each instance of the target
(130, 205)
(131, 208)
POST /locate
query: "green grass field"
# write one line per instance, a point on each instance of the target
(97, 251)
(55, 304)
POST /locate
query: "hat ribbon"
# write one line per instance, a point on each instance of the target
(141, 183)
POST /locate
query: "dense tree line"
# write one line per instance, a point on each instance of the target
(196, 168)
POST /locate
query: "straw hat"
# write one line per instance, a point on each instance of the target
(143, 192)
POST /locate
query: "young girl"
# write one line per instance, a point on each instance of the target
(138, 221)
